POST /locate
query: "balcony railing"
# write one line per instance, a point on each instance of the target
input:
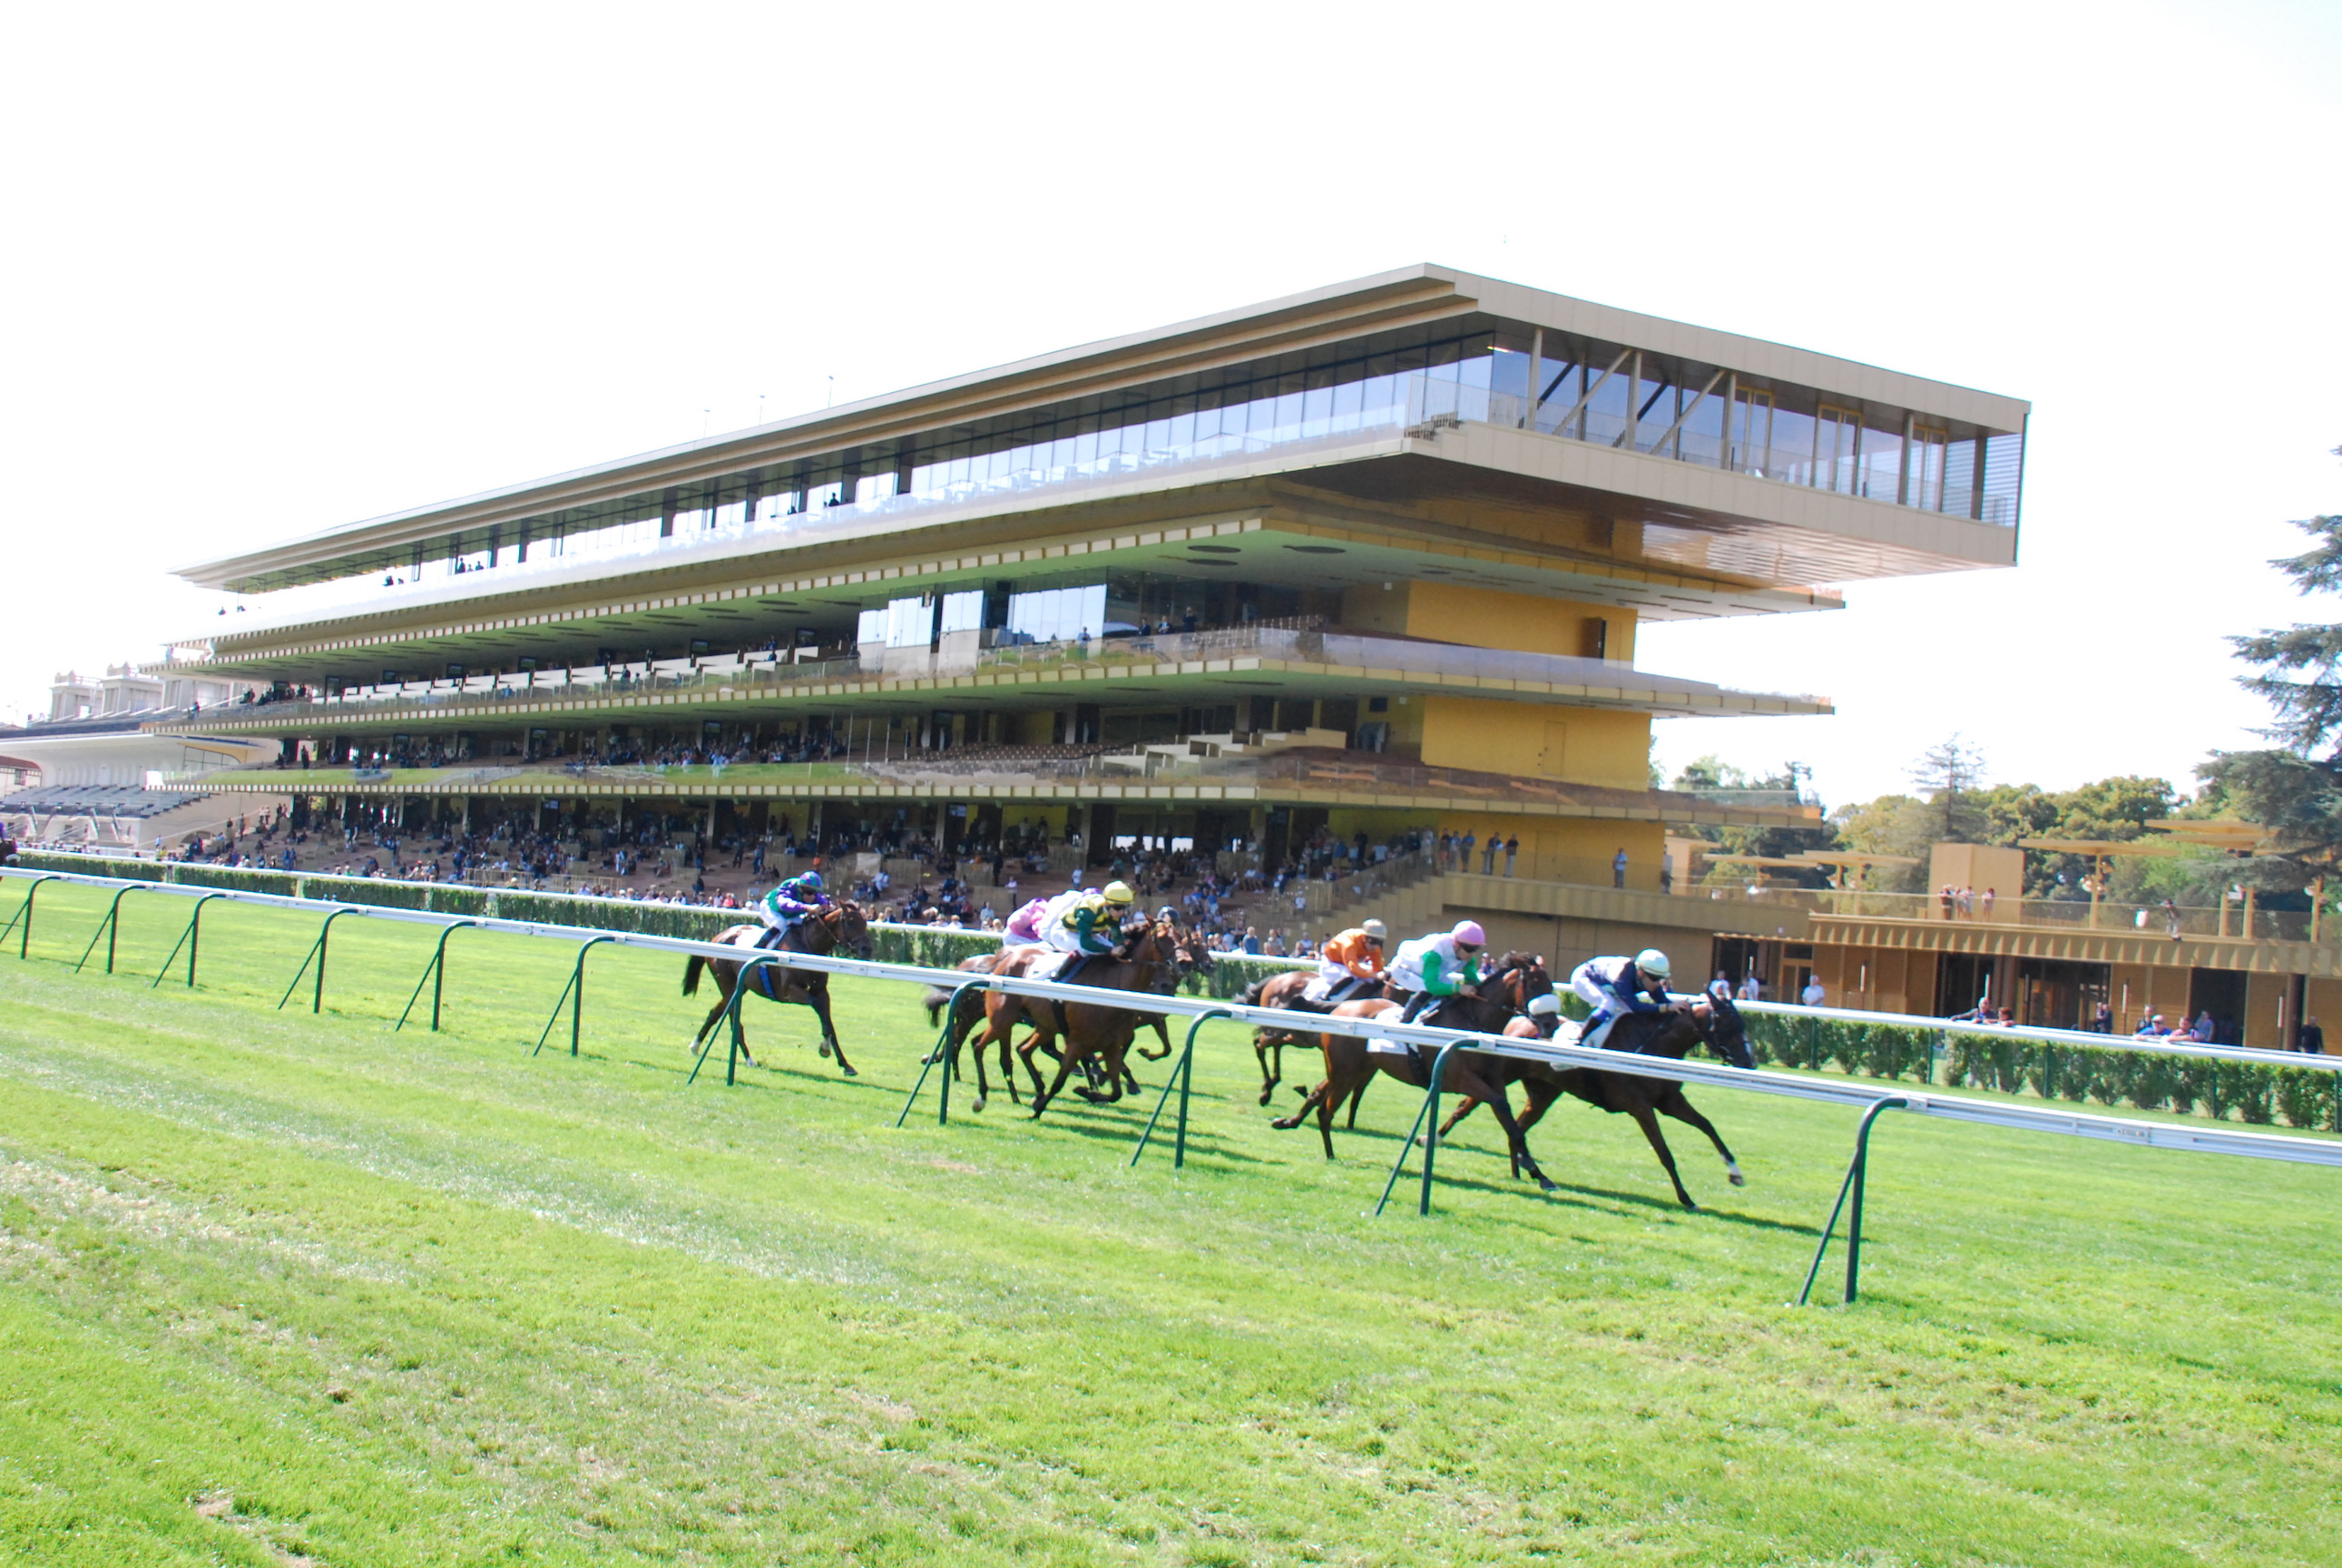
(776, 673)
(2234, 920)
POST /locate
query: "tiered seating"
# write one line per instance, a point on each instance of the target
(93, 800)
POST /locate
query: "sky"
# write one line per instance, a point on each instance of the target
(275, 269)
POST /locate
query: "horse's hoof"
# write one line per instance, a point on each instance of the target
(1737, 1179)
(1546, 1184)
(1300, 1090)
(1692, 1206)
(1285, 1124)
(850, 1072)
(1085, 1091)
(977, 1106)
(825, 1050)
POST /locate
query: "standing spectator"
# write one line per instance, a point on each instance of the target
(2103, 1022)
(1619, 867)
(1512, 848)
(1813, 996)
(2309, 1038)
(1751, 988)
(2205, 1030)
(1488, 854)
(1990, 894)
(1945, 898)
(1463, 850)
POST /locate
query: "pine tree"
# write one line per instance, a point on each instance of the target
(2295, 788)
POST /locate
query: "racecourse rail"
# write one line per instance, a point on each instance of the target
(1870, 1098)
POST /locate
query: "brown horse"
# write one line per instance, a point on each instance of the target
(1017, 960)
(1713, 1021)
(1285, 989)
(1089, 1030)
(1351, 1061)
(842, 926)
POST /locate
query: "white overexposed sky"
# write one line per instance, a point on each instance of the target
(272, 269)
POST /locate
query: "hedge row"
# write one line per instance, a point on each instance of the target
(939, 947)
(2254, 1091)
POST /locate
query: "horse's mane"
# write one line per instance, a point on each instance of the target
(1512, 961)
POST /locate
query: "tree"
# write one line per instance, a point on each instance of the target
(1948, 774)
(2295, 788)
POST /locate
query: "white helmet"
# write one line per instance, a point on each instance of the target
(1539, 1006)
(1653, 964)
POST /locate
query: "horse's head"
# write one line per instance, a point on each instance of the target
(1725, 1032)
(849, 926)
(1519, 979)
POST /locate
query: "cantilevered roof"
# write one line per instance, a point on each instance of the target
(1411, 297)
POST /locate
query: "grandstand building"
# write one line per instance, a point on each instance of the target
(1307, 583)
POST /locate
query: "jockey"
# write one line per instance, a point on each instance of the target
(1025, 926)
(1433, 968)
(1087, 924)
(1614, 987)
(790, 902)
(1347, 966)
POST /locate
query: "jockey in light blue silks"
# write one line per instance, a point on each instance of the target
(786, 905)
(1614, 987)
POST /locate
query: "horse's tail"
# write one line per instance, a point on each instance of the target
(937, 999)
(1251, 997)
(691, 975)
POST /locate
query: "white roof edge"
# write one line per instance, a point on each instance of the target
(1520, 302)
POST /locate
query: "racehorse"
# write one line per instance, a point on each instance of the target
(1711, 1021)
(1350, 1060)
(841, 926)
(1284, 990)
(1089, 1030)
(1519, 979)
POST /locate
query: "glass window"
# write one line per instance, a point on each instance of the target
(963, 612)
(1837, 442)
(2003, 466)
(1882, 456)
(1752, 433)
(910, 623)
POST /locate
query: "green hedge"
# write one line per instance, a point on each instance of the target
(939, 947)
(2254, 1091)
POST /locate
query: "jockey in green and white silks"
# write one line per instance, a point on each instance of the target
(790, 902)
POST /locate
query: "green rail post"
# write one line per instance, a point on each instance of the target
(25, 913)
(1182, 1075)
(1853, 1184)
(434, 971)
(189, 939)
(1812, 1044)
(1430, 1099)
(318, 951)
(730, 1022)
(574, 993)
(942, 1053)
(106, 928)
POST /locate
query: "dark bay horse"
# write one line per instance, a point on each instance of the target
(841, 927)
(1285, 991)
(1713, 1021)
(1082, 1031)
(1350, 1062)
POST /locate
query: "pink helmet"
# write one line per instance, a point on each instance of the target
(1468, 933)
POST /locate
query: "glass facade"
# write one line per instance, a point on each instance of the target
(1599, 394)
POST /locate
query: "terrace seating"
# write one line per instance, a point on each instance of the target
(93, 800)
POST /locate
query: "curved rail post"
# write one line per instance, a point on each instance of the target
(434, 971)
(730, 1022)
(1855, 1173)
(318, 951)
(25, 913)
(942, 1053)
(189, 939)
(1438, 1074)
(108, 928)
(1184, 1076)
(574, 993)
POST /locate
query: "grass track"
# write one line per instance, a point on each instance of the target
(421, 1299)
